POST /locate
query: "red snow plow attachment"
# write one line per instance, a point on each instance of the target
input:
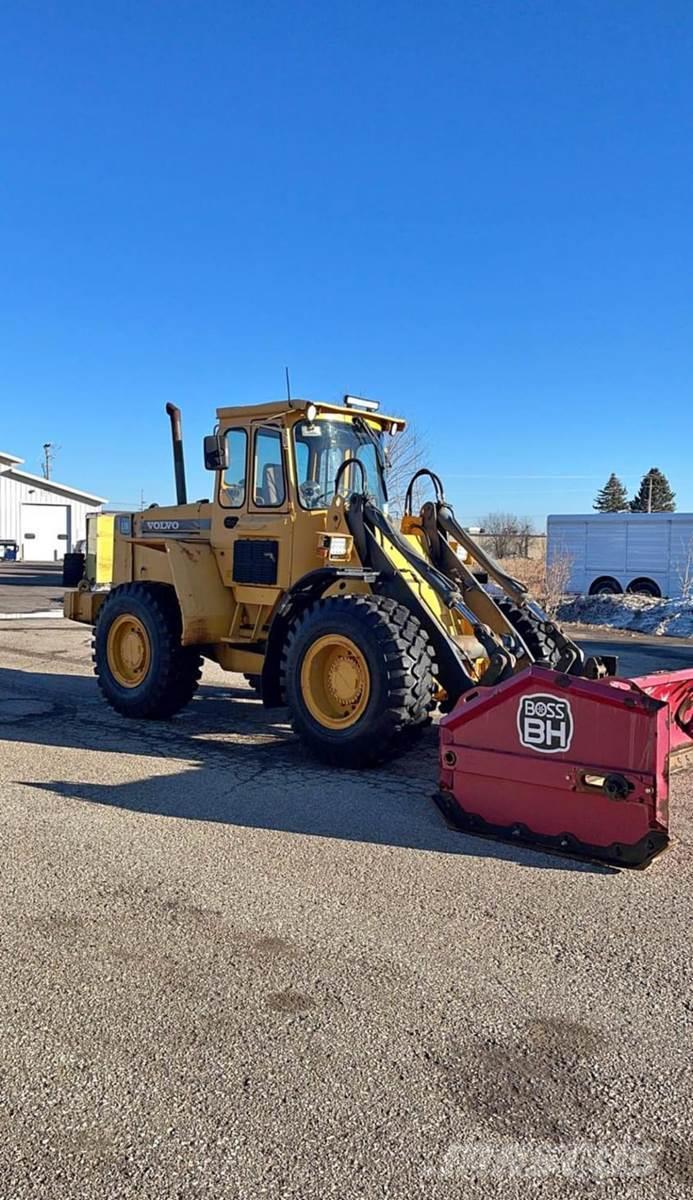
(569, 764)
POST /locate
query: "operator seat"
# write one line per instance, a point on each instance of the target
(272, 491)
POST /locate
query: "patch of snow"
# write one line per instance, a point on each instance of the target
(31, 616)
(639, 614)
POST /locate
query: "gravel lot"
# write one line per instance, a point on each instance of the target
(228, 972)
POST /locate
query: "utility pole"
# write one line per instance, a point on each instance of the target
(649, 496)
(49, 449)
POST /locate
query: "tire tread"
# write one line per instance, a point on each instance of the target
(409, 685)
(179, 667)
(541, 645)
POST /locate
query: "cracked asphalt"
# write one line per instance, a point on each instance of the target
(228, 972)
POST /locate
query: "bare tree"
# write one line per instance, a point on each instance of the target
(502, 529)
(525, 530)
(556, 580)
(406, 453)
(547, 581)
(685, 571)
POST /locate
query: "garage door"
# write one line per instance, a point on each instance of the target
(44, 532)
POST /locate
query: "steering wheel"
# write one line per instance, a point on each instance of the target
(311, 493)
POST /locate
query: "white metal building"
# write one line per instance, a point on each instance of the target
(45, 518)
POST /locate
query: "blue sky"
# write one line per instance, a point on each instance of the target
(479, 213)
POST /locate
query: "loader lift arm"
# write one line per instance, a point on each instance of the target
(512, 631)
(439, 523)
(377, 540)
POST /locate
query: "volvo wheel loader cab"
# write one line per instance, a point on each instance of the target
(293, 574)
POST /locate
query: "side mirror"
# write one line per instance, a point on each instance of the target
(216, 452)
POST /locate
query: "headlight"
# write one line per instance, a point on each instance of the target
(336, 547)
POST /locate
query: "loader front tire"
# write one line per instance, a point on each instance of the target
(141, 667)
(358, 676)
(541, 645)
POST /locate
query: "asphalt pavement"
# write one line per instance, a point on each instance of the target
(638, 654)
(30, 587)
(229, 972)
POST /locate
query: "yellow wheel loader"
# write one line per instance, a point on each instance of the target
(294, 575)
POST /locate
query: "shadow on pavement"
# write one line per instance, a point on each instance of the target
(241, 765)
(31, 575)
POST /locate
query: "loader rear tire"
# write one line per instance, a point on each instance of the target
(541, 645)
(141, 667)
(358, 676)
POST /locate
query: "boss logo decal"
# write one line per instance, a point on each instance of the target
(545, 723)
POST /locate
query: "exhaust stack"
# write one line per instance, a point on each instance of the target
(178, 460)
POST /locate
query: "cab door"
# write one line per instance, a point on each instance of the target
(252, 524)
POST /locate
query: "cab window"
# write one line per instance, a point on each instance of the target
(269, 486)
(320, 450)
(302, 460)
(233, 485)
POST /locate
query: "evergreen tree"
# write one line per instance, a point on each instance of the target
(654, 493)
(613, 497)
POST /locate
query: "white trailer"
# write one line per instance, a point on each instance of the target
(650, 554)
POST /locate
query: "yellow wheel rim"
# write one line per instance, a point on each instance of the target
(128, 650)
(335, 681)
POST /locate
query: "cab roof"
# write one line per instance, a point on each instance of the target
(282, 408)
